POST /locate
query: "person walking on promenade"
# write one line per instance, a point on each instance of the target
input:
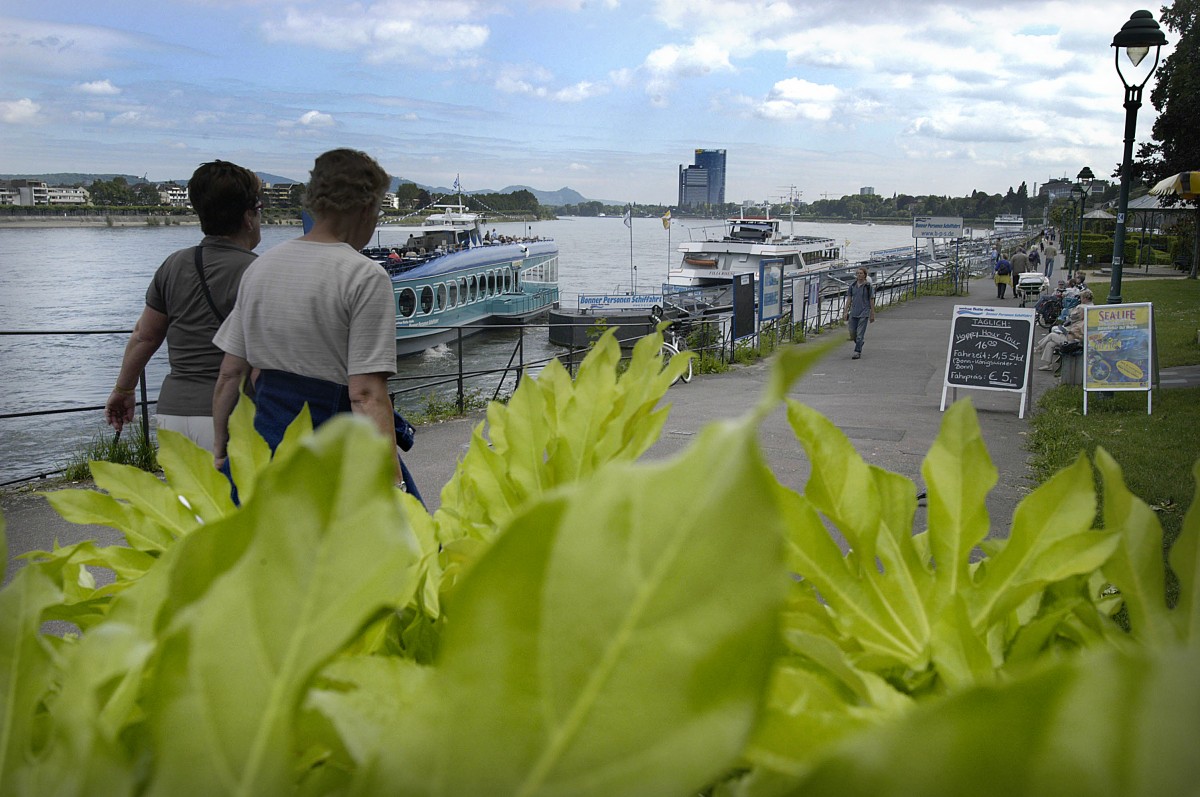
(1048, 260)
(1019, 262)
(316, 316)
(1003, 276)
(188, 298)
(860, 309)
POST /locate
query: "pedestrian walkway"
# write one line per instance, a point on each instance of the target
(887, 404)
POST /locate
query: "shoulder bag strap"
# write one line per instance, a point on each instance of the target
(199, 261)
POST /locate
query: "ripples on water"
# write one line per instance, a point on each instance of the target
(96, 278)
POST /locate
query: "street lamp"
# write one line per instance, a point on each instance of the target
(1066, 236)
(1084, 188)
(1136, 37)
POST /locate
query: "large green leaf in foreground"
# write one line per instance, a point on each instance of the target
(328, 547)
(610, 642)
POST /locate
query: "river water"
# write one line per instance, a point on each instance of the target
(94, 279)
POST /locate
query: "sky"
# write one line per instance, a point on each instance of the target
(811, 98)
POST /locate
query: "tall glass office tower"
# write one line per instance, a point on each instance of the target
(704, 182)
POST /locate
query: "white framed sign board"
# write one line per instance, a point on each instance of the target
(990, 349)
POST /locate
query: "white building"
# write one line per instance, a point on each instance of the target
(174, 195)
(31, 192)
(67, 196)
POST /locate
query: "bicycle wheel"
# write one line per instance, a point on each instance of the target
(687, 375)
(668, 351)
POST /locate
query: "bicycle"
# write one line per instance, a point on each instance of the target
(673, 343)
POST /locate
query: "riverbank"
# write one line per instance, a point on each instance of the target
(100, 220)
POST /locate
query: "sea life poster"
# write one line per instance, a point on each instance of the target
(1117, 347)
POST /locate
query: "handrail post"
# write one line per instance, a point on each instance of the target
(145, 410)
(520, 354)
(461, 399)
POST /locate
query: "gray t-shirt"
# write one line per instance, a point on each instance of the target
(176, 293)
(321, 310)
(860, 299)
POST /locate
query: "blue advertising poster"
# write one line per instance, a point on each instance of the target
(770, 289)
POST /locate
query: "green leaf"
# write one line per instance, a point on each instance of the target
(188, 470)
(328, 546)
(248, 452)
(27, 670)
(610, 641)
(88, 507)
(85, 753)
(1136, 567)
(958, 476)
(554, 432)
(790, 364)
(143, 491)
(1050, 540)
(1103, 725)
(1185, 561)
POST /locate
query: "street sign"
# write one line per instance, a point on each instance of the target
(937, 227)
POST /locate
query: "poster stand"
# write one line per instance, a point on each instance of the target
(1118, 350)
(990, 349)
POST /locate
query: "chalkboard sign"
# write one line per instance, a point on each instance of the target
(990, 349)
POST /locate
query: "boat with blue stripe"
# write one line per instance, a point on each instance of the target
(449, 274)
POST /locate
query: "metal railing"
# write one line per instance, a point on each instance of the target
(812, 302)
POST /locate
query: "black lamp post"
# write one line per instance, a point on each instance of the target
(1066, 236)
(1136, 37)
(1084, 188)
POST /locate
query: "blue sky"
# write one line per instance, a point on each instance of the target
(605, 96)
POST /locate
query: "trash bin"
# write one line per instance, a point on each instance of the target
(1071, 368)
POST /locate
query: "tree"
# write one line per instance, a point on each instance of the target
(1176, 147)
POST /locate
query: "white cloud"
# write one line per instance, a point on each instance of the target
(316, 119)
(395, 31)
(578, 167)
(131, 118)
(19, 112)
(101, 88)
(87, 117)
(532, 81)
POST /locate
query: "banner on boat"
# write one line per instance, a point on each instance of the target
(937, 227)
(636, 301)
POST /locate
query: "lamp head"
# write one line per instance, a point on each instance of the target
(1137, 36)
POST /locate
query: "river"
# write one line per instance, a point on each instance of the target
(95, 278)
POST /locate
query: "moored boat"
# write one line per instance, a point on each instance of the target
(448, 275)
(742, 245)
(1008, 223)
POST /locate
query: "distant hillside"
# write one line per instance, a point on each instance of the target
(563, 196)
(79, 178)
(71, 178)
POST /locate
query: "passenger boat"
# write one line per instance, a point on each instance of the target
(450, 275)
(1007, 223)
(741, 245)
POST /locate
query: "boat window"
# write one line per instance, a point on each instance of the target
(453, 294)
(491, 283)
(507, 281)
(471, 287)
(462, 290)
(426, 299)
(441, 297)
(406, 302)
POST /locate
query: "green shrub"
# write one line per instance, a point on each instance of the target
(574, 621)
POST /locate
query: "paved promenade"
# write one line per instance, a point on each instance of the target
(887, 403)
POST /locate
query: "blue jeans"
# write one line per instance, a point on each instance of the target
(858, 330)
(279, 396)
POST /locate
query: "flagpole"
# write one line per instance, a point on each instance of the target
(632, 273)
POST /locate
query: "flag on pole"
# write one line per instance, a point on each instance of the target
(667, 219)
(457, 185)
(628, 218)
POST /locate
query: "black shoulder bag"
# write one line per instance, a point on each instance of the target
(199, 261)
